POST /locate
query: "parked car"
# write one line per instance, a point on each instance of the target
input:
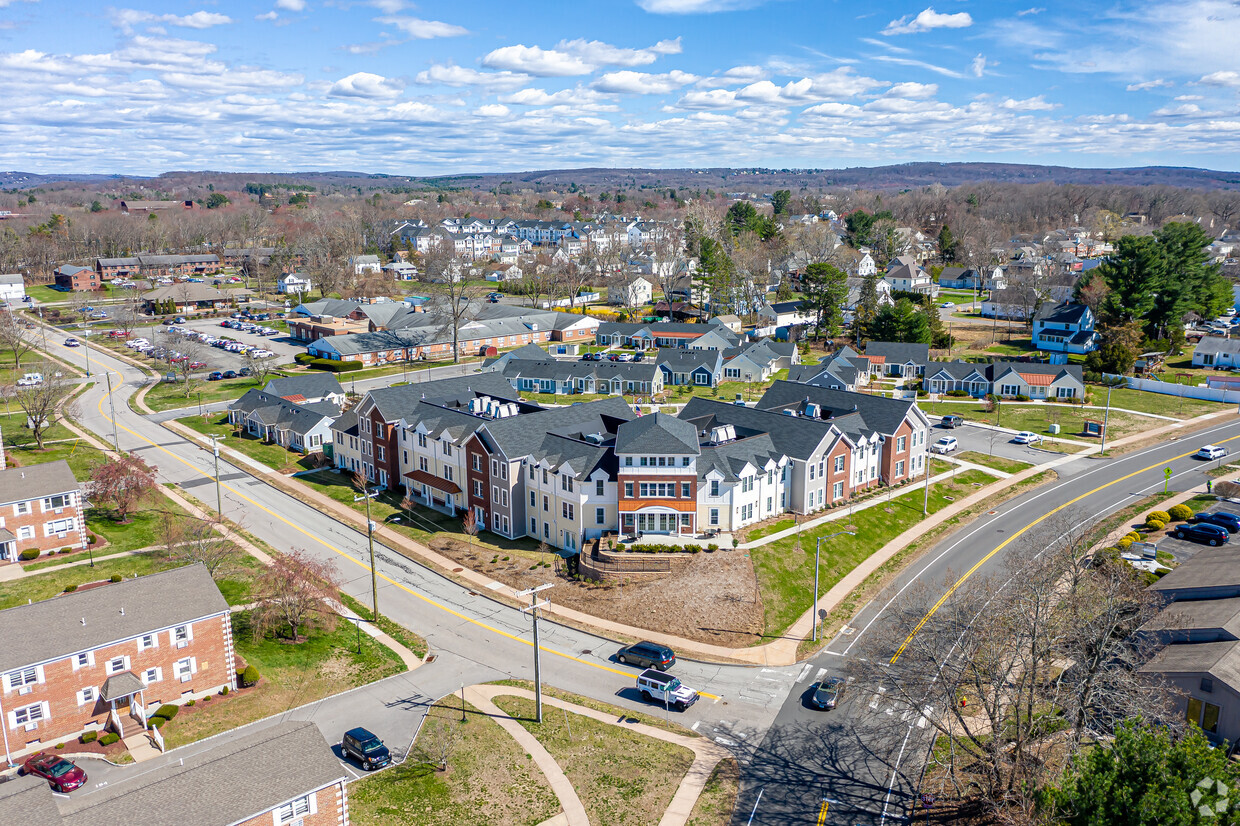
(230, 374)
(648, 655)
(639, 356)
(30, 380)
(197, 365)
(72, 342)
(945, 444)
(1211, 452)
(951, 420)
(1025, 437)
(179, 320)
(245, 371)
(1228, 521)
(657, 687)
(1204, 534)
(62, 775)
(215, 376)
(825, 695)
(947, 305)
(624, 356)
(366, 748)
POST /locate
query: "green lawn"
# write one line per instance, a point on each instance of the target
(491, 781)
(620, 776)
(169, 396)
(1038, 418)
(1157, 403)
(786, 575)
(273, 456)
(1012, 347)
(326, 662)
(997, 462)
(388, 626)
(767, 530)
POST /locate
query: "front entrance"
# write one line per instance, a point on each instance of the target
(658, 522)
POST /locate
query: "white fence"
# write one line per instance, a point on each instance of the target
(1186, 391)
(584, 298)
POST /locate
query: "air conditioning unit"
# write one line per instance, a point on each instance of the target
(182, 643)
(32, 727)
(185, 678)
(26, 689)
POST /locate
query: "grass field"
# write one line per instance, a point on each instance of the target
(276, 457)
(325, 663)
(620, 776)
(786, 575)
(997, 462)
(169, 396)
(1157, 403)
(490, 780)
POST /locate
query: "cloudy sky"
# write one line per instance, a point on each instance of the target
(434, 87)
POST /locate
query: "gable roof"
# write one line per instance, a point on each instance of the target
(877, 413)
(1221, 660)
(82, 620)
(19, 484)
(394, 403)
(524, 434)
(1217, 344)
(309, 386)
(796, 437)
(895, 352)
(1062, 313)
(284, 414)
(689, 359)
(657, 433)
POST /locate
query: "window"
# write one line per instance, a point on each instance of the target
(714, 516)
(86, 695)
(566, 510)
(628, 490)
(27, 715)
(64, 500)
(811, 471)
(546, 530)
(118, 664)
(21, 509)
(644, 461)
(152, 675)
(686, 520)
(447, 473)
(477, 462)
(146, 641)
(714, 487)
(628, 461)
(27, 676)
(839, 464)
(1203, 714)
(837, 492)
(900, 442)
(184, 669)
(181, 634)
(600, 487)
(900, 468)
(477, 488)
(1009, 390)
(423, 465)
(684, 490)
(83, 660)
(684, 461)
(544, 476)
(25, 532)
(1207, 685)
(600, 516)
(532, 473)
(546, 504)
(566, 482)
(534, 526)
(294, 809)
(59, 526)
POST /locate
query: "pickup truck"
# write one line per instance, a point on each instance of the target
(30, 380)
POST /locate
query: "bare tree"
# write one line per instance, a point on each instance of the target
(469, 524)
(41, 401)
(294, 593)
(127, 314)
(439, 737)
(184, 353)
(191, 540)
(444, 276)
(14, 336)
(260, 368)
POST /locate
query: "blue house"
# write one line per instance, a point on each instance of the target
(1065, 328)
(701, 368)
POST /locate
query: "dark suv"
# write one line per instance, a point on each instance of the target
(365, 748)
(1228, 521)
(952, 420)
(647, 655)
(1205, 534)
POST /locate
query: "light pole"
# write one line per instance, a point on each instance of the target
(116, 440)
(925, 500)
(1105, 418)
(219, 496)
(817, 549)
(366, 496)
(532, 593)
(86, 344)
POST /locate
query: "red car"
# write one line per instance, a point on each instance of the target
(61, 775)
(197, 365)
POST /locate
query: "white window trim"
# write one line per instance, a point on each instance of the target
(159, 675)
(90, 659)
(124, 664)
(87, 695)
(297, 808)
(28, 724)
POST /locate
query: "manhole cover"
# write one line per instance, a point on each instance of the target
(430, 658)
(587, 651)
(949, 498)
(457, 570)
(473, 593)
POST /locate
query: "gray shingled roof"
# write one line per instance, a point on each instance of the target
(1218, 344)
(523, 435)
(877, 413)
(657, 433)
(396, 403)
(1217, 617)
(568, 370)
(228, 783)
(895, 352)
(28, 801)
(796, 437)
(1221, 660)
(730, 458)
(54, 628)
(310, 386)
(36, 481)
(274, 411)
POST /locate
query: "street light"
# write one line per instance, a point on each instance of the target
(219, 496)
(366, 496)
(532, 593)
(817, 549)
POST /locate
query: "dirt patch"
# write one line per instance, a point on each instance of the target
(707, 597)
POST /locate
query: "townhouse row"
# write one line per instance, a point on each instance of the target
(570, 474)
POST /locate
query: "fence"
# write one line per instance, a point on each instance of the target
(596, 568)
(1209, 394)
(581, 300)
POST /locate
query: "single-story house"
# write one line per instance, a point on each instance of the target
(1218, 352)
(953, 376)
(1037, 381)
(701, 368)
(893, 358)
(574, 377)
(308, 389)
(301, 427)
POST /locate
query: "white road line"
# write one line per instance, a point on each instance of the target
(804, 671)
(821, 673)
(723, 741)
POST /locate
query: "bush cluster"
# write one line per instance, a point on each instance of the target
(88, 737)
(109, 738)
(1180, 512)
(69, 589)
(167, 711)
(29, 554)
(248, 677)
(114, 578)
(644, 548)
(333, 366)
(1155, 524)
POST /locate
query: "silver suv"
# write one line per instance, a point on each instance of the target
(658, 687)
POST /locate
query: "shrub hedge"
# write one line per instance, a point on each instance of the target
(248, 677)
(115, 578)
(1161, 516)
(1180, 512)
(333, 366)
(1155, 524)
(89, 736)
(29, 554)
(109, 738)
(167, 711)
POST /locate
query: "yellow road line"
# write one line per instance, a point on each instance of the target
(361, 564)
(1016, 535)
(822, 813)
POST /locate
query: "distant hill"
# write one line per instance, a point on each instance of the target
(900, 176)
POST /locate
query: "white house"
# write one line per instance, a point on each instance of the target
(365, 264)
(866, 265)
(12, 287)
(293, 283)
(635, 292)
(1218, 352)
(401, 270)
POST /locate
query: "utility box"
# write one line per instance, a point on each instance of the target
(1053, 429)
(1148, 550)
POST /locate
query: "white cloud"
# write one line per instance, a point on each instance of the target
(1183, 110)
(1190, 97)
(291, 5)
(694, 6)
(927, 20)
(271, 15)
(365, 85)
(126, 19)
(914, 91)
(565, 97)
(493, 110)
(733, 77)
(1034, 104)
(452, 75)
(883, 44)
(1149, 84)
(1027, 12)
(921, 64)
(978, 66)
(598, 53)
(533, 60)
(419, 29)
(714, 99)
(1226, 77)
(643, 83)
(834, 110)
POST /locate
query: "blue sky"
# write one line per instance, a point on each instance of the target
(432, 88)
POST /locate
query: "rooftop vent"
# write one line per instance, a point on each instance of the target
(788, 412)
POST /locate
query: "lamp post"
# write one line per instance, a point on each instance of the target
(366, 496)
(532, 593)
(817, 549)
(86, 343)
(116, 440)
(219, 496)
(1105, 418)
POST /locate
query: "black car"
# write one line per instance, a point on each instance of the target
(366, 748)
(639, 356)
(825, 695)
(1228, 521)
(648, 655)
(230, 374)
(245, 371)
(215, 376)
(1205, 534)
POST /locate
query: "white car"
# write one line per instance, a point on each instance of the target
(946, 444)
(1026, 438)
(947, 305)
(1211, 452)
(30, 380)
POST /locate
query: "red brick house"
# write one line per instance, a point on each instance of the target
(108, 656)
(77, 279)
(40, 508)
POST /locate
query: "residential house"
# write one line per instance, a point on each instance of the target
(732, 322)
(107, 657)
(365, 264)
(657, 475)
(786, 314)
(665, 334)
(190, 297)
(303, 427)
(943, 377)
(40, 508)
(866, 264)
(502, 273)
(905, 274)
(293, 283)
(1217, 352)
(759, 360)
(401, 271)
(892, 358)
(1037, 381)
(311, 388)
(576, 377)
(960, 278)
(1065, 328)
(77, 279)
(12, 287)
(130, 207)
(1011, 304)
(691, 367)
(856, 285)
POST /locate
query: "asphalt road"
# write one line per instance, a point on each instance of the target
(478, 637)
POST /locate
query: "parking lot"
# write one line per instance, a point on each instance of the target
(992, 443)
(218, 358)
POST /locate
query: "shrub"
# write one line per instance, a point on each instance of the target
(109, 738)
(1155, 524)
(190, 703)
(1180, 512)
(167, 711)
(1161, 516)
(89, 737)
(959, 394)
(1124, 543)
(1134, 536)
(207, 699)
(69, 589)
(66, 550)
(620, 547)
(114, 578)
(248, 677)
(224, 691)
(333, 366)
(29, 554)
(1021, 397)
(157, 722)
(303, 358)
(712, 547)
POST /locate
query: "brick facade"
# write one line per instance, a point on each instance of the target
(48, 521)
(328, 806)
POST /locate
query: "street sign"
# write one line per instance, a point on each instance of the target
(1166, 478)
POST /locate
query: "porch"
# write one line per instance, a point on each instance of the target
(435, 493)
(127, 716)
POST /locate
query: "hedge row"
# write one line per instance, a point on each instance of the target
(334, 366)
(642, 548)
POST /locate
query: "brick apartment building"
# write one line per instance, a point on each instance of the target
(283, 774)
(77, 279)
(102, 657)
(40, 507)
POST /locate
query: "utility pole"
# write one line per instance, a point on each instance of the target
(219, 495)
(1105, 418)
(532, 593)
(817, 550)
(116, 441)
(925, 500)
(367, 495)
(86, 343)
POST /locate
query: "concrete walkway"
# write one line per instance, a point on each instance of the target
(706, 754)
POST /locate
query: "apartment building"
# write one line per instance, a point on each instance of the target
(104, 657)
(40, 508)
